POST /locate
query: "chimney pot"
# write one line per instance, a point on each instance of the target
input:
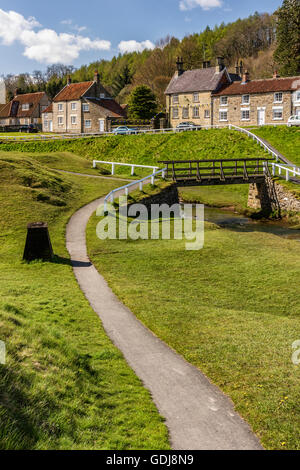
(96, 76)
(246, 77)
(220, 64)
(275, 74)
(179, 65)
(69, 80)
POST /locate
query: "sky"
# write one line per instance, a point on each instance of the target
(35, 34)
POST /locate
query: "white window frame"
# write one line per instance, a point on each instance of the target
(175, 111)
(225, 103)
(60, 107)
(60, 121)
(196, 112)
(245, 110)
(73, 120)
(297, 96)
(207, 114)
(46, 124)
(102, 96)
(275, 99)
(90, 123)
(26, 121)
(73, 106)
(196, 98)
(175, 99)
(25, 106)
(222, 111)
(277, 108)
(243, 99)
(46, 116)
(185, 112)
(86, 108)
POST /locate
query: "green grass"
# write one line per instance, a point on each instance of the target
(231, 309)
(235, 196)
(150, 149)
(64, 386)
(285, 139)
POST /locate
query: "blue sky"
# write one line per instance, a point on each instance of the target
(34, 34)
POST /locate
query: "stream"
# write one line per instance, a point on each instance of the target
(235, 221)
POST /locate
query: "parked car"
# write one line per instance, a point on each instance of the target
(124, 130)
(30, 128)
(184, 126)
(294, 120)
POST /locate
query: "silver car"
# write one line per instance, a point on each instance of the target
(294, 120)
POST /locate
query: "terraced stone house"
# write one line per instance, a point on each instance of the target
(213, 96)
(257, 102)
(189, 94)
(24, 109)
(84, 107)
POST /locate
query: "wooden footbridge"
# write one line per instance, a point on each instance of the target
(217, 172)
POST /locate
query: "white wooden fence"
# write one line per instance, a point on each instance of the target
(132, 165)
(286, 171)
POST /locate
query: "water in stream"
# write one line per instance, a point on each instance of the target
(235, 221)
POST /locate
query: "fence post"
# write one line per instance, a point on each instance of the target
(132, 170)
(153, 180)
(287, 175)
(94, 163)
(273, 169)
(126, 191)
(141, 185)
(112, 168)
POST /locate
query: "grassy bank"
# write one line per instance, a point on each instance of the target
(231, 309)
(285, 139)
(150, 149)
(64, 385)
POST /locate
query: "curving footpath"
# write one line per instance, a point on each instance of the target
(198, 415)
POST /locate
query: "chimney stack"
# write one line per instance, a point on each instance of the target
(246, 77)
(96, 77)
(237, 68)
(69, 80)
(275, 74)
(220, 64)
(206, 64)
(17, 91)
(179, 65)
(241, 68)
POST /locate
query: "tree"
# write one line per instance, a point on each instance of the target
(287, 53)
(142, 103)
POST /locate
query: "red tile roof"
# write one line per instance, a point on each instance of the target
(49, 109)
(74, 91)
(115, 110)
(14, 108)
(261, 86)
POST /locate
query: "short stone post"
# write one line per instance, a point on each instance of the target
(38, 244)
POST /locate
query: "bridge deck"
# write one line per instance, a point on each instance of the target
(217, 172)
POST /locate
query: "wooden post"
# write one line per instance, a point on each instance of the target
(38, 244)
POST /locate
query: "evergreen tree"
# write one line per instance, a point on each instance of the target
(287, 53)
(142, 103)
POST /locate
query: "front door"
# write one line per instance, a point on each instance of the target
(261, 117)
(50, 126)
(101, 125)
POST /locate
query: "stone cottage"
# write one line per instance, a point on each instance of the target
(84, 107)
(24, 109)
(257, 102)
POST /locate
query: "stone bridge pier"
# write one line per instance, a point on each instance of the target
(269, 196)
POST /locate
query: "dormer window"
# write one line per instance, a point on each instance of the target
(224, 100)
(25, 107)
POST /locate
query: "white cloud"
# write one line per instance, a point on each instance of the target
(135, 46)
(45, 45)
(12, 24)
(70, 23)
(204, 4)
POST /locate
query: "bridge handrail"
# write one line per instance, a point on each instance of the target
(255, 159)
(126, 187)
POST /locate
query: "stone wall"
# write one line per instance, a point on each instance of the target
(186, 100)
(271, 196)
(168, 195)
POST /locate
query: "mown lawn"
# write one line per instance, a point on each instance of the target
(285, 139)
(232, 309)
(64, 385)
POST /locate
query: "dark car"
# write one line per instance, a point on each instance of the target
(30, 128)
